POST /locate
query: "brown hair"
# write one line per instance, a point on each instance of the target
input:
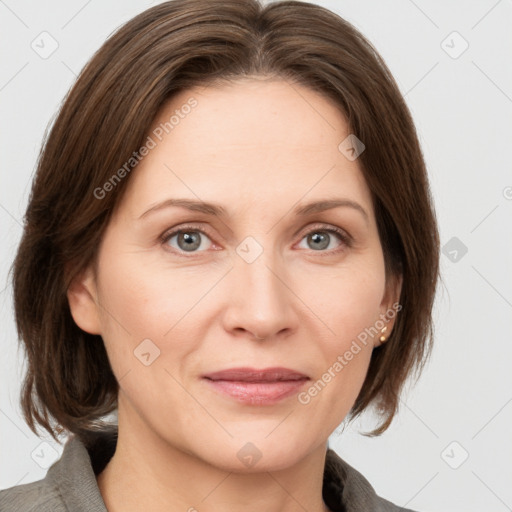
(69, 384)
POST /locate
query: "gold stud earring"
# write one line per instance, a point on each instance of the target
(383, 338)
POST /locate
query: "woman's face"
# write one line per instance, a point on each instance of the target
(255, 281)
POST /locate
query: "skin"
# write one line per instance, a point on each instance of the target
(259, 147)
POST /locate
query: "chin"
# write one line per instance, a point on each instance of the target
(255, 454)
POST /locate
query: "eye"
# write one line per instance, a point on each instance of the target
(189, 239)
(186, 239)
(321, 238)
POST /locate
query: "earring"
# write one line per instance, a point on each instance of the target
(383, 338)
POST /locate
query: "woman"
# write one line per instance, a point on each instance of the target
(231, 244)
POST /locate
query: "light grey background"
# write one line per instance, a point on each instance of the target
(462, 106)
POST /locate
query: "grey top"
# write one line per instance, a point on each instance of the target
(70, 483)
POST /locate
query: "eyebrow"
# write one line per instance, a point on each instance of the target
(217, 210)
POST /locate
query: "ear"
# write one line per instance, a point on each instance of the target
(390, 305)
(83, 302)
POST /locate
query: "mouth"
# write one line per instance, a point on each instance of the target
(257, 387)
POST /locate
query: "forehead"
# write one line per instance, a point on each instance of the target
(252, 141)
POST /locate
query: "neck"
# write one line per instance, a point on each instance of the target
(158, 476)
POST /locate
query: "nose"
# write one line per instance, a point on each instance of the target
(260, 300)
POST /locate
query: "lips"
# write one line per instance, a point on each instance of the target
(254, 375)
(251, 386)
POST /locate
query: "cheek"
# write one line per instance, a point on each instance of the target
(143, 300)
(146, 299)
(142, 327)
(348, 304)
(347, 299)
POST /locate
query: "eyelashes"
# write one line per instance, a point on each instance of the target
(185, 231)
(338, 233)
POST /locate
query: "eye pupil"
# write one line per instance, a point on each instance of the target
(321, 239)
(191, 241)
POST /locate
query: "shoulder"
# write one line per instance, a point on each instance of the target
(70, 483)
(351, 489)
(40, 496)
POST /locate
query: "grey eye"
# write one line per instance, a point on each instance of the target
(188, 241)
(319, 240)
